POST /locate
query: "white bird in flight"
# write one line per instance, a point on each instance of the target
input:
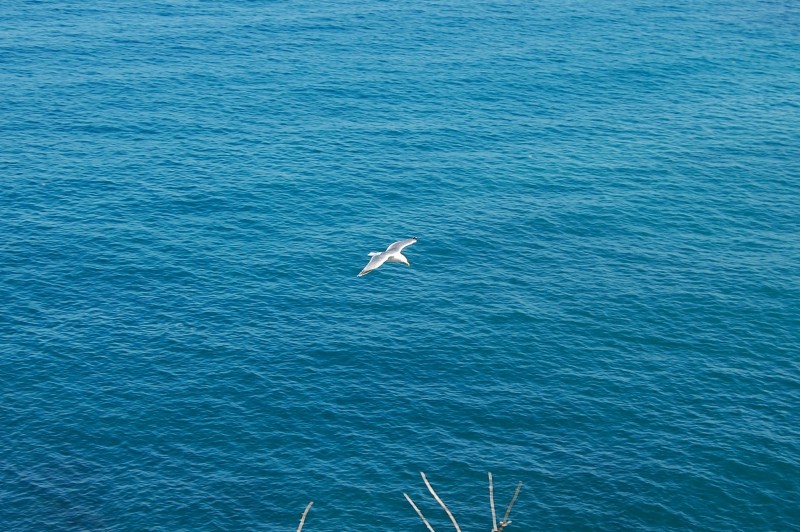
(394, 253)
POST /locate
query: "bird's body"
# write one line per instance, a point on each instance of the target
(394, 253)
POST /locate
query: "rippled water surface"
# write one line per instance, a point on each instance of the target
(603, 302)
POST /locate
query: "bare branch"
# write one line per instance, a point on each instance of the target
(419, 513)
(491, 503)
(435, 496)
(505, 522)
(303, 519)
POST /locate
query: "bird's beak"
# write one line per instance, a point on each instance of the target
(408, 263)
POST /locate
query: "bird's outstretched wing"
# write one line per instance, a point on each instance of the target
(400, 244)
(375, 262)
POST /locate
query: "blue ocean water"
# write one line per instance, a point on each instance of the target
(603, 302)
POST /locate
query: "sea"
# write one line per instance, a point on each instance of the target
(603, 303)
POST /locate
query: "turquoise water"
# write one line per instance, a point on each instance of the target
(603, 302)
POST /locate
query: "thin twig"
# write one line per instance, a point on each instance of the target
(435, 496)
(303, 519)
(491, 503)
(419, 513)
(505, 521)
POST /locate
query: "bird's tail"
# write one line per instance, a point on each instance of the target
(373, 253)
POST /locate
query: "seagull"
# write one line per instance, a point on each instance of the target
(394, 253)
